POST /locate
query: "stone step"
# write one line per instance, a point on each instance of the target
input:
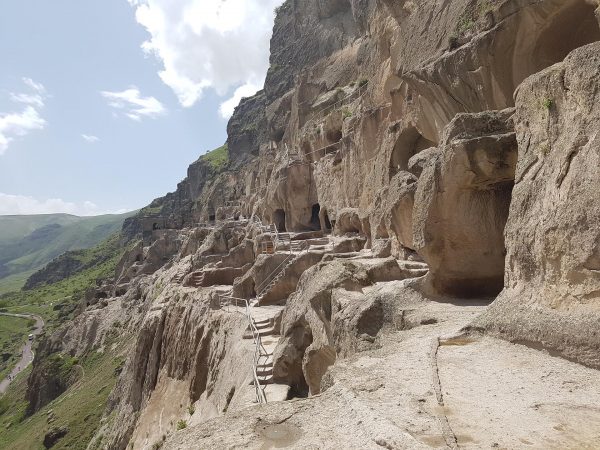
(413, 265)
(265, 325)
(265, 379)
(264, 371)
(277, 392)
(416, 273)
(263, 321)
(261, 332)
(265, 361)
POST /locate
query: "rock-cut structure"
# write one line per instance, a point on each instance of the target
(403, 250)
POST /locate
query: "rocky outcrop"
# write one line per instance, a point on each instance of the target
(461, 204)
(331, 315)
(387, 138)
(552, 284)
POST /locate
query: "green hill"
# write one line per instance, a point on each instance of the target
(28, 243)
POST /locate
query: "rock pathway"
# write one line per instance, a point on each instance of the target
(488, 394)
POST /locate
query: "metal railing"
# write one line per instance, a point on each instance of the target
(259, 349)
(354, 95)
(264, 286)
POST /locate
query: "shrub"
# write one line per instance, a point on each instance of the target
(548, 103)
(181, 424)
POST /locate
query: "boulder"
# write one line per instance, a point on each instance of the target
(54, 435)
(348, 221)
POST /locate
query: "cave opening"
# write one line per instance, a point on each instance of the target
(326, 223)
(315, 221)
(279, 220)
(573, 24)
(409, 143)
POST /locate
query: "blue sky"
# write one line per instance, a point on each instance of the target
(104, 103)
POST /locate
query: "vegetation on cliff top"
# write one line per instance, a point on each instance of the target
(218, 158)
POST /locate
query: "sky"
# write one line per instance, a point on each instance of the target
(105, 103)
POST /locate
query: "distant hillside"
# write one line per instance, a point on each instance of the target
(28, 243)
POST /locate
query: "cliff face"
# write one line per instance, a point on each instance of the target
(392, 124)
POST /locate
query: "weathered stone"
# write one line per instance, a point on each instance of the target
(552, 284)
(461, 205)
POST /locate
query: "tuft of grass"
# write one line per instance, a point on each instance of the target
(346, 113)
(191, 410)
(181, 425)
(218, 158)
(548, 103)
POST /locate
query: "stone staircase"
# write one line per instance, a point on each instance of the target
(296, 249)
(413, 269)
(197, 279)
(264, 364)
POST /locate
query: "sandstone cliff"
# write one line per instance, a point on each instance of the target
(407, 164)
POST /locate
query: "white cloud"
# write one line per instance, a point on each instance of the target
(21, 204)
(18, 124)
(247, 90)
(218, 44)
(90, 138)
(133, 105)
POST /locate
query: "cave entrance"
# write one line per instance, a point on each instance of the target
(574, 27)
(571, 25)
(279, 220)
(325, 222)
(409, 143)
(315, 221)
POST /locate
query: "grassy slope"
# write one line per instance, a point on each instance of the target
(217, 158)
(54, 302)
(21, 252)
(13, 334)
(17, 227)
(79, 408)
(14, 282)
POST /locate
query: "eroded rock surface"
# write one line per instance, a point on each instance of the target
(552, 285)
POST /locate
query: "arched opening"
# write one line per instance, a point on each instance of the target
(279, 220)
(315, 221)
(409, 143)
(573, 24)
(542, 35)
(574, 27)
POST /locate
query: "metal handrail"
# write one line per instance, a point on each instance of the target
(291, 256)
(272, 275)
(360, 91)
(259, 349)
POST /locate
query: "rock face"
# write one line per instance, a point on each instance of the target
(552, 287)
(431, 155)
(462, 202)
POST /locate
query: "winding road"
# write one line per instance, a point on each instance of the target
(26, 352)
